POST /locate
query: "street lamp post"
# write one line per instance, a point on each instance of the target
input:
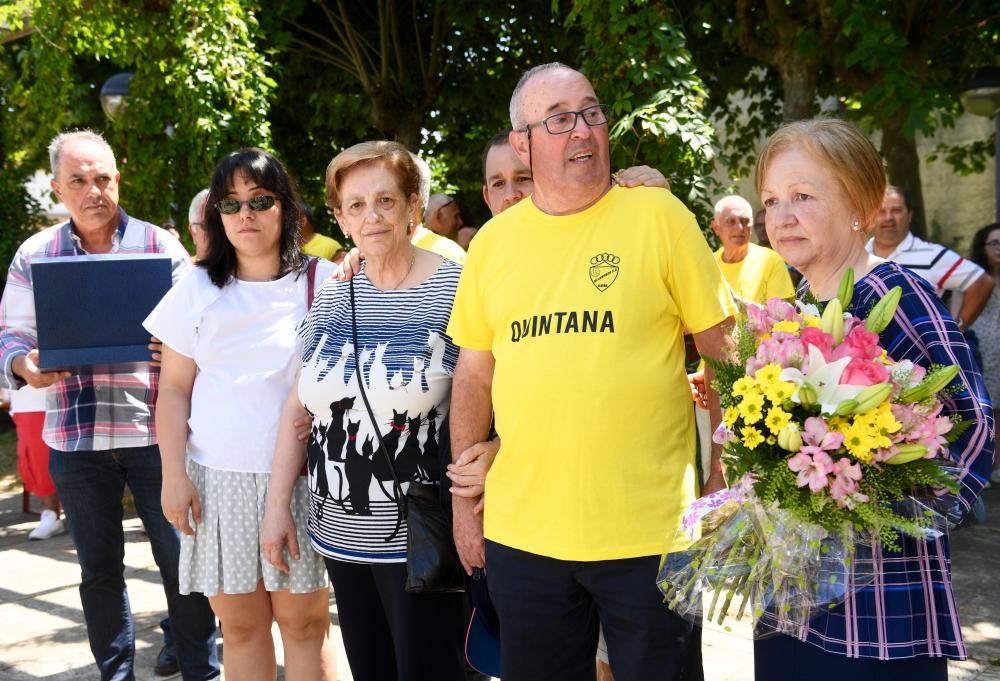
(114, 94)
(981, 96)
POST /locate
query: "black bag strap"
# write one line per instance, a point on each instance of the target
(400, 498)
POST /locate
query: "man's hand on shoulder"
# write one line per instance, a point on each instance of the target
(641, 176)
(26, 366)
(349, 266)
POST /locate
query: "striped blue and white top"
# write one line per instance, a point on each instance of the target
(407, 365)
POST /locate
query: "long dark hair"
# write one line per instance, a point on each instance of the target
(267, 172)
(977, 251)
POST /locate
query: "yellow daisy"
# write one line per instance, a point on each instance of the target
(751, 408)
(777, 419)
(752, 437)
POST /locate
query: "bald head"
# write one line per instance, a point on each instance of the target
(732, 202)
(443, 216)
(732, 222)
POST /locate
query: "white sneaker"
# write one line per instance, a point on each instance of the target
(49, 526)
(995, 476)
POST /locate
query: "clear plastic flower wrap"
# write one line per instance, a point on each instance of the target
(750, 557)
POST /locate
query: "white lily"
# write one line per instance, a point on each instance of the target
(824, 377)
(807, 309)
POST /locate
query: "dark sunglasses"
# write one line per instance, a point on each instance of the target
(256, 204)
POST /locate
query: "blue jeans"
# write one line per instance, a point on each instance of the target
(90, 487)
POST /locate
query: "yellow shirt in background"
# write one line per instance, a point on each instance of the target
(443, 246)
(321, 247)
(761, 275)
(591, 398)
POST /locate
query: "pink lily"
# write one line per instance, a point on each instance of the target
(817, 434)
(845, 482)
(813, 465)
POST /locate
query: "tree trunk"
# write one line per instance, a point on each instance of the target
(903, 167)
(798, 78)
(401, 121)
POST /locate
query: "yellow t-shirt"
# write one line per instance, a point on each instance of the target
(759, 276)
(321, 247)
(589, 391)
(443, 246)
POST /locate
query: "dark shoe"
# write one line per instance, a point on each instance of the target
(166, 662)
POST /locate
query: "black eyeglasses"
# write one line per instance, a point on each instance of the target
(256, 204)
(992, 244)
(563, 122)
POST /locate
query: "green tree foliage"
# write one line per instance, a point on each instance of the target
(893, 65)
(200, 88)
(641, 66)
(435, 75)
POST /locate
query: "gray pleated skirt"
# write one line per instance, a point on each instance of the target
(224, 554)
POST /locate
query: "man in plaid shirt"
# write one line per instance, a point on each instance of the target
(101, 427)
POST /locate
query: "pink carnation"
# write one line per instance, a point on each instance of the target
(859, 344)
(863, 372)
(818, 338)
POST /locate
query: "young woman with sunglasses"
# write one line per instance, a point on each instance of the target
(229, 358)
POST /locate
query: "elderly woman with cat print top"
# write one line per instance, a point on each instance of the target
(397, 308)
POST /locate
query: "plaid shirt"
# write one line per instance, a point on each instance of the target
(89, 412)
(909, 610)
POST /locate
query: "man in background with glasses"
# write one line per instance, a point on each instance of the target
(968, 284)
(577, 344)
(100, 427)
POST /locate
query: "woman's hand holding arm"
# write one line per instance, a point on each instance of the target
(468, 472)
(178, 496)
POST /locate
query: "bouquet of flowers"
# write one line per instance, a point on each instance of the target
(835, 449)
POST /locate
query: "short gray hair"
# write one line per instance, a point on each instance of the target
(60, 140)
(196, 207)
(425, 183)
(515, 99)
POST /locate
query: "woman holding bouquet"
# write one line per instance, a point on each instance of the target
(821, 182)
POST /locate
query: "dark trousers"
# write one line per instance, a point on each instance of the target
(90, 487)
(783, 658)
(549, 612)
(391, 635)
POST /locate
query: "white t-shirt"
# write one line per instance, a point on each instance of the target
(243, 340)
(945, 269)
(27, 399)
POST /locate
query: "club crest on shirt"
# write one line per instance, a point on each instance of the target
(604, 270)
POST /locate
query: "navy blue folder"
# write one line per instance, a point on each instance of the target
(90, 309)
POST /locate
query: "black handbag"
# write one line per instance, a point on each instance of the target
(432, 563)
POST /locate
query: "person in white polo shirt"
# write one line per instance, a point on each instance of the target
(945, 269)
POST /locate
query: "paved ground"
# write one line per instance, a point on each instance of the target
(42, 634)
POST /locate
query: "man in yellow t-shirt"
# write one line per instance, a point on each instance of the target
(755, 273)
(423, 237)
(313, 243)
(577, 344)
